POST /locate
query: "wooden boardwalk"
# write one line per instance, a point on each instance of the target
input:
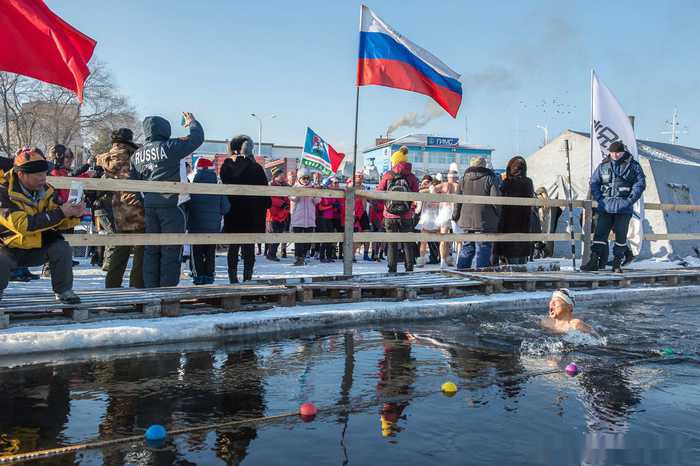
(133, 303)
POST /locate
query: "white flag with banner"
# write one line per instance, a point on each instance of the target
(610, 123)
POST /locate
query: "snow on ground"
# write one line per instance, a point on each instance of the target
(87, 277)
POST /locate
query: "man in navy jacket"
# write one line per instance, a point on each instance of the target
(616, 185)
(159, 160)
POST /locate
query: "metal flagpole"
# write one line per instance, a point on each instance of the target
(571, 206)
(586, 252)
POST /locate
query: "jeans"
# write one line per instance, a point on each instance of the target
(619, 224)
(399, 225)
(471, 250)
(161, 264)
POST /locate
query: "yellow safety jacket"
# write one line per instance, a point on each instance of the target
(23, 220)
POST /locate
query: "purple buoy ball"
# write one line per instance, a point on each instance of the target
(572, 369)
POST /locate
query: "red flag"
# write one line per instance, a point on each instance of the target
(39, 44)
(336, 158)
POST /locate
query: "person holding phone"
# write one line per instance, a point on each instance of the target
(31, 222)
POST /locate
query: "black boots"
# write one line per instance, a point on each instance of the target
(629, 257)
(617, 265)
(593, 263)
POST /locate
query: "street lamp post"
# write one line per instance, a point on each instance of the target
(545, 130)
(260, 131)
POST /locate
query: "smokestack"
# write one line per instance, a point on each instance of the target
(631, 117)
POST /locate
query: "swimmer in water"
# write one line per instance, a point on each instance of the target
(561, 314)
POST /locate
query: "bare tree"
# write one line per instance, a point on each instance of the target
(35, 113)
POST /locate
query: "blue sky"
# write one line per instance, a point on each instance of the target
(523, 64)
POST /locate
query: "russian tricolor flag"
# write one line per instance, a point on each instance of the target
(389, 59)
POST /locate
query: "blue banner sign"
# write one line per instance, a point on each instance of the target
(436, 141)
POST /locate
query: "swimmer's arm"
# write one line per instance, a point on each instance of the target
(581, 326)
(547, 323)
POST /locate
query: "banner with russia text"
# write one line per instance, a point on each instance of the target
(318, 155)
(610, 123)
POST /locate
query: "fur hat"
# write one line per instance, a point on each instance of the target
(125, 136)
(477, 162)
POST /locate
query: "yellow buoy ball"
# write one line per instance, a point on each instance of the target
(449, 388)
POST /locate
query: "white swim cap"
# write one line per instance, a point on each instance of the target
(565, 295)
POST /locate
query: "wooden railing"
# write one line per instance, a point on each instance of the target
(348, 237)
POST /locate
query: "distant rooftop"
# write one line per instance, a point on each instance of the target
(419, 139)
(662, 151)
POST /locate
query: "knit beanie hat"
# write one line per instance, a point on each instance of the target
(617, 146)
(398, 157)
(203, 163)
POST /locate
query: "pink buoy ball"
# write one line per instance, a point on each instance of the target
(308, 410)
(572, 369)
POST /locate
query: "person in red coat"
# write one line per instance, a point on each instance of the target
(398, 215)
(278, 213)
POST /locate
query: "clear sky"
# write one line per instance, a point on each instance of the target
(523, 64)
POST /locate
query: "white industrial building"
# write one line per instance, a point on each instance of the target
(428, 154)
(673, 177)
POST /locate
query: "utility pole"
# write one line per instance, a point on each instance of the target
(544, 129)
(260, 131)
(674, 130)
(466, 130)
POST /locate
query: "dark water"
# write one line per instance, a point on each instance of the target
(515, 405)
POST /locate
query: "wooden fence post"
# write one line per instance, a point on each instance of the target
(587, 233)
(348, 249)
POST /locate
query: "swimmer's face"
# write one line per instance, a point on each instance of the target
(558, 309)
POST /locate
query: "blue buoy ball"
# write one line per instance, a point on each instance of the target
(156, 433)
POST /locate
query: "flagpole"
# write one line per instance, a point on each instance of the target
(354, 149)
(588, 222)
(348, 246)
(591, 130)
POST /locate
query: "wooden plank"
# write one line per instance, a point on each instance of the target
(466, 199)
(77, 315)
(671, 207)
(106, 184)
(150, 309)
(673, 237)
(230, 303)
(491, 237)
(170, 309)
(150, 239)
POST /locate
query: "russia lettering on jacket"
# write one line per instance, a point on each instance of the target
(148, 154)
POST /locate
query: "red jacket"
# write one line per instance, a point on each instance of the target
(327, 208)
(376, 213)
(359, 210)
(404, 169)
(279, 210)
